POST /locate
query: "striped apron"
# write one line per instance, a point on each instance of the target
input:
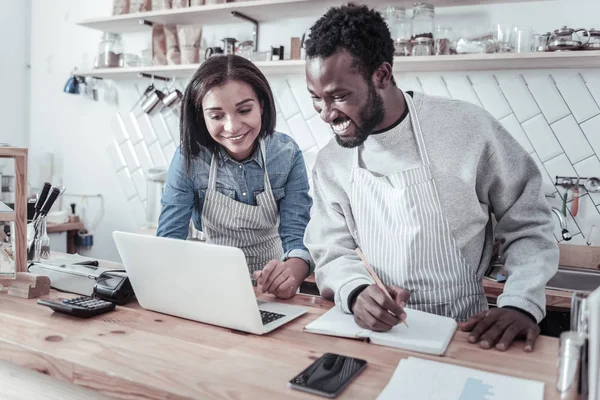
(254, 229)
(402, 231)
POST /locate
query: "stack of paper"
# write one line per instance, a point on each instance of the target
(419, 379)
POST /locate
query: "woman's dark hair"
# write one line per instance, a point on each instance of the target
(213, 72)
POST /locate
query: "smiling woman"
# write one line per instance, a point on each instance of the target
(242, 183)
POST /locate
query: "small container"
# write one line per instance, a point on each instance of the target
(402, 47)
(593, 42)
(523, 39)
(7, 263)
(38, 242)
(229, 45)
(110, 51)
(245, 49)
(540, 41)
(422, 46)
(276, 53)
(569, 365)
(442, 40)
(399, 26)
(423, 20)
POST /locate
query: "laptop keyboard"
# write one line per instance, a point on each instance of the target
(268, 317)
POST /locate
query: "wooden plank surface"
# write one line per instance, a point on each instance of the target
(133, 353)
(24, 384)
(20, 251)
(68, 226)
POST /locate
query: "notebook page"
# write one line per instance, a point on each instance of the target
(335, 322)
(427, 333)
(431, 380)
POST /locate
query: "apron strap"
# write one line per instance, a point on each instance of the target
(212, 176)
(412, 111)
(263, 152)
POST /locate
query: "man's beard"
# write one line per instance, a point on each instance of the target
(370, 116)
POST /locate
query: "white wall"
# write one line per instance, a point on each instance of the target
(92, 156)
(15, 21)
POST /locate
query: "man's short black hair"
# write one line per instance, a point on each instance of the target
(359, 30)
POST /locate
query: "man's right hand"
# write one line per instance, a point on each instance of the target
(372, 308)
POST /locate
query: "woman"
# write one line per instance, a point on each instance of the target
(244, 184)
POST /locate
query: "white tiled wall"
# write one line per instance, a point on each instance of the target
(554, 115)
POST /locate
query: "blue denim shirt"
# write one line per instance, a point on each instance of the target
(184, 194)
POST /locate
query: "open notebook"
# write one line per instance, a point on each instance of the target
(427, 333)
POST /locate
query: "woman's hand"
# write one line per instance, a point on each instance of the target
(281, 278)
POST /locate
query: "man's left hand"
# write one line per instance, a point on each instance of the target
(500, 327)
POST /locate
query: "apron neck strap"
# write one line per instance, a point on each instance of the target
(263, 153)
(212, 177)
(416, 125)
(414, 119)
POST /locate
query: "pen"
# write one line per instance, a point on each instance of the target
(374, 276)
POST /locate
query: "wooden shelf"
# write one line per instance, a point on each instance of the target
(260, 10)
(470, 62)
(8, 152)
(7, 216)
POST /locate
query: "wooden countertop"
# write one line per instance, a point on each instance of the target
(133, 353)
(557, 300)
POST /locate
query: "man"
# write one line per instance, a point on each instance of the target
(413, 182)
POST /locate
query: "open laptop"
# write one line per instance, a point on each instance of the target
(198, 281)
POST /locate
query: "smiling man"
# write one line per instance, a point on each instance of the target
(413, 181)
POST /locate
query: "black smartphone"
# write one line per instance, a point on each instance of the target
(328, 375)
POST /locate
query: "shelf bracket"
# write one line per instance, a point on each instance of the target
(254, 29)
(150, 76)
(145, 22)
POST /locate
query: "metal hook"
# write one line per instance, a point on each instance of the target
(254, 23)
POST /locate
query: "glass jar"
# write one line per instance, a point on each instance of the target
(110, 51)
(7, 262)
(399, 26)
(422, 46)
(442, 40)
(38, 242)
(423, 20)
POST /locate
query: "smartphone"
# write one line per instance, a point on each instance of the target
(328, 375)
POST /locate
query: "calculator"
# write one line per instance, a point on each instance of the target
(82, 307)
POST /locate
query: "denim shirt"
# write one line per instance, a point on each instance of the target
(184, 194)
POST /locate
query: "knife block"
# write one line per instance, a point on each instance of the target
(24, 284)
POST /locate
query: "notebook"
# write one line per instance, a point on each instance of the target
(419, 379)
(427, 333)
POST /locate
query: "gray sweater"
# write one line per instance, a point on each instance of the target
(479, 170)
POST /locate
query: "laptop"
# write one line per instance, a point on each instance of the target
(198, 281)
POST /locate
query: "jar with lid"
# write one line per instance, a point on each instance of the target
(399, 26)
(110, 51)
(422, 46)
(423, 20)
